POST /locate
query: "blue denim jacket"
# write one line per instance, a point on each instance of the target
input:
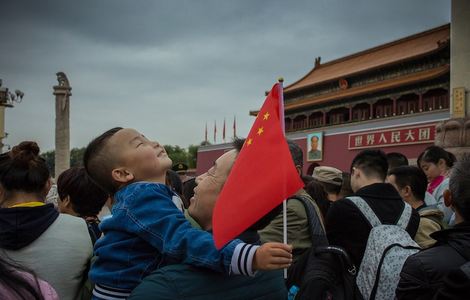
(147, 231)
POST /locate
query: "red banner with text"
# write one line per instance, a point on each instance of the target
(393, 137)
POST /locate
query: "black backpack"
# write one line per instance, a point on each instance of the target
(324, 271)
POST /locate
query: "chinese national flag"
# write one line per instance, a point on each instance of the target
(262, 177)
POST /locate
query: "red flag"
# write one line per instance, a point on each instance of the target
(223, 131)
(215, 131)
(206, 134)
(234, 127)
(261, 178)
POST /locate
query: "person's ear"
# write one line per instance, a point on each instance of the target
(441, 163)
(299, 169)
(122, 175)
(447, 198)
(47, 187)
(407, 191)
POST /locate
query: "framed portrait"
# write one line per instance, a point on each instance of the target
(315, 146)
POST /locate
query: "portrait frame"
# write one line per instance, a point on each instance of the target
(318, 154)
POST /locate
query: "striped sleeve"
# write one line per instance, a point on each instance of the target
(242, 259)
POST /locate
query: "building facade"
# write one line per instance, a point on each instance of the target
(389, 97)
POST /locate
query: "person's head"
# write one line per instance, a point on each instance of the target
(458, 194)
(311, 168)
(435, 161)
(346, 189)
(208, 187)
(368, 167)
(23, 171)
(78, 195)
(396, 159)
(316, 190)
(188, 191)
(297, 155)
(174, 182)
(121, 156)
(210, 184)
(331, 179)
(410, 182)
(314, 143)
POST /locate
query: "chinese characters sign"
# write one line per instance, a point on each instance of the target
(393, 137)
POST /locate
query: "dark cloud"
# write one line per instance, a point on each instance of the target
(167, 67)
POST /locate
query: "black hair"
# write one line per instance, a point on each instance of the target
(329, 187)
(99, 162)
(372, 162)
(238, 144)
(316, 190)
(188, 191)
(396, 159)
(346, 189)
(311, 168)
(296, 153)
(22, 169)
(86, 197)
(413, 177)
(459, 181)
(174, 182)
(13, 281)
(433, 154)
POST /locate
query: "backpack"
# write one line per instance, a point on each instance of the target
(324, 271)
(388, 247)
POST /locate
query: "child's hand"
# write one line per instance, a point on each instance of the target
(272, 256)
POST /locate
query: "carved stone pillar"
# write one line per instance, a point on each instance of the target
(394, 108)
(454, 134)
(62, 125)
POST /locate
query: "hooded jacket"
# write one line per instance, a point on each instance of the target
(423, 273)
(57, 247)
(431, 220)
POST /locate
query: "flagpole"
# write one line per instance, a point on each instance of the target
(283, 126)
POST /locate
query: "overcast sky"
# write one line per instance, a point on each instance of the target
(168, 67)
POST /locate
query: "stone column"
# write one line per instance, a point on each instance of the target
(454, 134)
(62, 125)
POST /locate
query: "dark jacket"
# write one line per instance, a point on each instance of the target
(423, 273)
(348, 228)
(20, 226)
(190, 283)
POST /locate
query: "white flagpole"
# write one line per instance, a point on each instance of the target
(284, 203)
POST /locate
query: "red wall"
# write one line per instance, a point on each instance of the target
(335, 153)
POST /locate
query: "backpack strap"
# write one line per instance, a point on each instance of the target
(365, 209)
(405, 216)
(315, 228)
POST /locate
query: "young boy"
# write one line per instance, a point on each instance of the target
(146, 230)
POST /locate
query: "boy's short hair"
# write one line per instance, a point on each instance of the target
(396, 159)
(413, 177)
(99, 161)
(86, 197)
(372, 162)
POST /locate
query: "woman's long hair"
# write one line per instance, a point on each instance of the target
(12, 280)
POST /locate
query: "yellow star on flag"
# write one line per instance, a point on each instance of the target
(249, 142)
(266, 116)
(260, 130)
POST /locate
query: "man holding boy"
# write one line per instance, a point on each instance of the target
(146, 230)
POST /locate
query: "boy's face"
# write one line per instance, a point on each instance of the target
(137, 158)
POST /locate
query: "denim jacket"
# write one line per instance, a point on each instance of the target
(147, 231)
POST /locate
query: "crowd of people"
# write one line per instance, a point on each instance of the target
(127, 226)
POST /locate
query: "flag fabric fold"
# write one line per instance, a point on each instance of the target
(262, 176)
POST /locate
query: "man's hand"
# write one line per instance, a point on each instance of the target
(272, 256)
